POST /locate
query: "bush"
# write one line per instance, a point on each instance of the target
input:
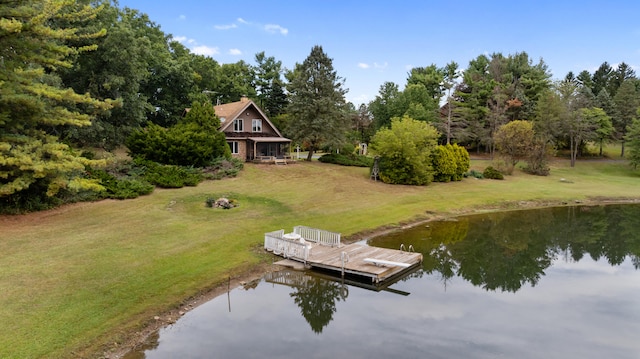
(222, 168)
(194, 141)
(347, 160)
(123, 188)
(474, 174)
(450, 162)
(169, 176)
(492, 173)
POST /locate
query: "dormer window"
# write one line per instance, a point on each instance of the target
(238, 125)
(256, 125)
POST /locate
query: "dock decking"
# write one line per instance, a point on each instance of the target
(323, 250)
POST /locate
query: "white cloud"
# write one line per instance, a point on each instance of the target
(205, 50)
(235, 52)
(380, 66)
(242, 21)
(273, 28)
(362, 65)
(225, 27)
(180, 38)
(182, 17)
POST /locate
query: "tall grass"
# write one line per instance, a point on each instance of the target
(84, 275)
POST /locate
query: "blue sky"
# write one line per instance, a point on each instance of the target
(372, 42)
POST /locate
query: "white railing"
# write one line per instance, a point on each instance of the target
(318, 236)
(294, 249)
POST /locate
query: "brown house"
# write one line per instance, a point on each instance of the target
(250, 134)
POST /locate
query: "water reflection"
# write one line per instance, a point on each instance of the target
(316, 297)
(505, 251)
(552, 283)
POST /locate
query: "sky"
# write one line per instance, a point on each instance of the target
(373, 42)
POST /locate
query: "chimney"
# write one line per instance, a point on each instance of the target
(244, 98)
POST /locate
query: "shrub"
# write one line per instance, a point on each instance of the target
(405, 151)
(169, 176)
(123, 188)
(474, 173)
(492, 173)
(444, 163)
(194, 141)
(350, 159)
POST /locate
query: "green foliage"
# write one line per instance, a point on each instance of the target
(405, 151)
(222, 168)
(450, 162)
(463, 161)
(492, 173)
(444, 163)
(633, 139)
(120, 188)
(317, 105)
(514, 140)
(194, 141)
(538, 158)
(34, 107)
(169, 176)
(351, 159)
(474, 174)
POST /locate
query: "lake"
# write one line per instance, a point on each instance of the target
(546, 283)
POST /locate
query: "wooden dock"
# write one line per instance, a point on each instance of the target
(322, 250)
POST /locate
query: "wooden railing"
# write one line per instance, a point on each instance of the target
(318, 236)
(295, 249)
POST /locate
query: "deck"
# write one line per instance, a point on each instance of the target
(322, 250)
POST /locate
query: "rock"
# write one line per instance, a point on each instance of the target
(156, 317)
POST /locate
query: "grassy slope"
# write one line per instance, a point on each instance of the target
(79, 276)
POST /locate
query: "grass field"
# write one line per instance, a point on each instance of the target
(78, 279)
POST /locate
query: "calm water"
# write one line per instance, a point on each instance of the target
(551, 283)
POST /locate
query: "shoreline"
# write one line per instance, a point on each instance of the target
(138, 338)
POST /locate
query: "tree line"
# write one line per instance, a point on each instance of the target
(89, 74)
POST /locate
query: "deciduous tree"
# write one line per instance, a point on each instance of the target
(405, 151)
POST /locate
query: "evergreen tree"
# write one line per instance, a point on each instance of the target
(34, 37)
(626, 103)
(633, 138)
(317, 105)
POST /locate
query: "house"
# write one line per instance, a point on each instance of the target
(250, 134)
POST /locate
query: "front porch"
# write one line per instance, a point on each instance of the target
(278, 160)
(269, 150)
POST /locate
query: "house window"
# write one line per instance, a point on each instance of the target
(238, 125)
(256, 125)
(234, 147)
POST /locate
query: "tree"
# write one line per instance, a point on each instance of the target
(194, 141)
(601, 78)
(602, 121)
(269, 85)
(405, 151)
(317, 105)
(386, 105)
(450, 76)
(34, 45)
(626, 102)
(515, 140)
(633, 137)
(126, 57)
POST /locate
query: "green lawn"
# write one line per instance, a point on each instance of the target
(82, 276)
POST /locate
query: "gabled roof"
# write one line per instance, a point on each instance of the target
(231, 111)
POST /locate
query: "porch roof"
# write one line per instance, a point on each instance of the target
(268, 139)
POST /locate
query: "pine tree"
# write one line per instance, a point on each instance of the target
(317, 105)
(633, 140)
(33, 107)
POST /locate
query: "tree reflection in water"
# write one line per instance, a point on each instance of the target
(506, 250)
(317, 299)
